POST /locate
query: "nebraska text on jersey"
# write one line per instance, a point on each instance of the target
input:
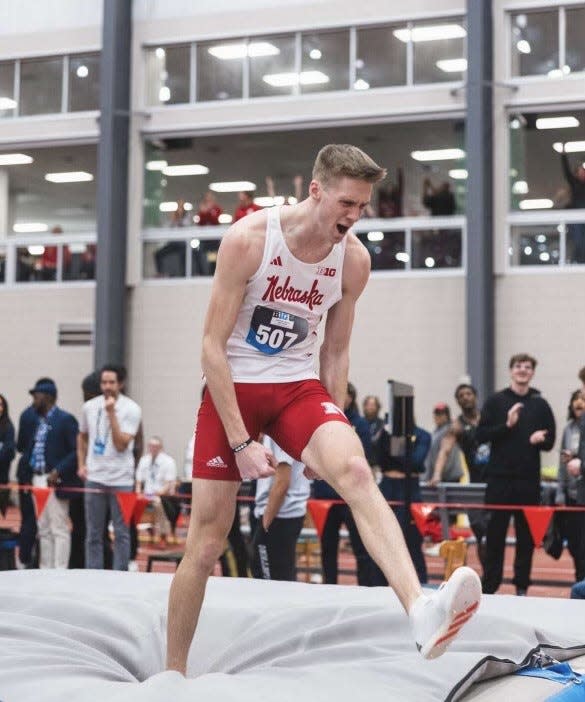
(274, 291)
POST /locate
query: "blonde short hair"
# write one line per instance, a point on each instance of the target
(346, 161)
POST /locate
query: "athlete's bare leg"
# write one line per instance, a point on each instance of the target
(212, 513)
(335, 452)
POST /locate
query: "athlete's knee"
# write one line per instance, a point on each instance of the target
(203, 551)
(356, 475)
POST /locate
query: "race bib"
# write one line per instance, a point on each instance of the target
(273, 331)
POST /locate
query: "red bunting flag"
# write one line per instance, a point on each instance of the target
(319, 509)
(538, 519)
(41, 494)
(420, 511)
(127, 502)
(139, 507)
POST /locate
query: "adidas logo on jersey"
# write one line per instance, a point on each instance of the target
(276, 261)
(216, 462)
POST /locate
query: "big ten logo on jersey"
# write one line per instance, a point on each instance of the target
(328, 272)
(282, 319)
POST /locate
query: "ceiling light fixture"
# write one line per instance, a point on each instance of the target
(232, 186)
(537, 204)
(438, 155)
(457, 65)
(15, 159)
(254, 49)
(188, 169)
(69, 177)
(434, 32)
(565, 122)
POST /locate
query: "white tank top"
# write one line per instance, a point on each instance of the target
(275, 336)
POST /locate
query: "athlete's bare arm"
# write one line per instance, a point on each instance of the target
(334, 356)
(238, 258)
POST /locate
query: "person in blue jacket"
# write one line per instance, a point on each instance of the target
(47, 439)
(393, 487)
(340, 513)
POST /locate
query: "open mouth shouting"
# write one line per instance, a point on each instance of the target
(342, 229)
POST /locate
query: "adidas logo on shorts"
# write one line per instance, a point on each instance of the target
(216, 462)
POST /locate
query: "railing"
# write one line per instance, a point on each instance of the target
(47, 259)
(406, 244)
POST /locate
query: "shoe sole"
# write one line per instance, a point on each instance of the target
(465, 597)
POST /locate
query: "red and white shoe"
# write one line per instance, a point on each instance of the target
(437, 620)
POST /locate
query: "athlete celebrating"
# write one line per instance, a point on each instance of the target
(278, 272)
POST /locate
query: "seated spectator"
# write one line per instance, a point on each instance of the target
(452, 471)
(155, 478)
(47, 265)
(371, 407)
(246, 205)
(281, 504)
(209, 210)
(439, 200)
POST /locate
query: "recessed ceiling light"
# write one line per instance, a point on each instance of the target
(225, 218)
(457, 65)
(571, 147)
(523, 46)
(36, 250)
(69, 177)
(315, 54)
(168, 206)
(430, 262)
(402, 256)
(520, 187)
(254, 49)
(82, 71)
(185, 170)
(361, 84)
(287, 80)
(156, 165)
(438, 154)
(232, 186)
(30, 227)
(458, 173)
(7, 103)
(565, 122)
(430, 33)
(537, 204)
(375, 236)
(160, 53)
(15, 159)
(164, 94)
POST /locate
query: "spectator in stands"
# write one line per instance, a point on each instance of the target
(575, 178)
(390, 197)
(463, 433)
(246, 205)
(7, 451)
(155, 478)
(450, 470)
(572, 523)
(27, 538)
(371, 408)
(394, 486)
(519, 424)
(340, 513)
(50, 453)
(180, 217)
(209, 210)
(109, 424)
(440, 200)
(47, 264)
(281, 505)
(88, 258)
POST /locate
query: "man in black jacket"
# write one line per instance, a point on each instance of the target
(520, 424)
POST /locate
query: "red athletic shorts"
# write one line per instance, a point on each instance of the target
(288, 412)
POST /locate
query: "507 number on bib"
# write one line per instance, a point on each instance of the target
(272, 331)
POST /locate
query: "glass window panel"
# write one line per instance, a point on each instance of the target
(203, 256)
(272, 61)
(381, 58)
(325, 64)
(36, 263)
(41, 82)
(575, 242)
(436, 248)
(438, 55)
(535, 43)
(535, 245)
(2, 265)
(168, 70)
(79, 262)
(164, 259)
(575, 44)
(34, 200)
(220, 70)
(84, 82)
(540, 176)
(7, 102)
(387, 249)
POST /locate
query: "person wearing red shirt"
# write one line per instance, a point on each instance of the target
(209, 210)
(246, 205)
(48, 262)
